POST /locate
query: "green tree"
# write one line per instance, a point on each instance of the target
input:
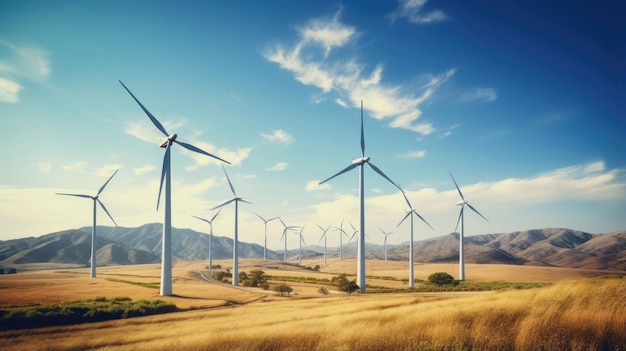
(343, 284)
(282, 288)
(440, 279)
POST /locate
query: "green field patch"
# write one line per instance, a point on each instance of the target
(295, 279)
(144, 284)
(83, 311)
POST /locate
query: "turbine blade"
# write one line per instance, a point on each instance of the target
(248, 202)
(281, 221)
(377, 170)
(202, 219)
(105, 210)
(152, 118)
(166, 161)
(212, 219)
(352, 237)
(405, 217)
(382, 231)
(77, 195)
(349, 168)
(459, 220)
(423, 220)
(229, 183)
(457, 186)
(107, 182)
(224, 204)
(407, 199)
(362, 134)
(473, 209)
(263, 219)
(200, 151)
(301, 237)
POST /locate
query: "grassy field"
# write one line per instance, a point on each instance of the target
(575, 313)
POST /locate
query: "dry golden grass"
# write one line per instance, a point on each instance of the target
(581, 314)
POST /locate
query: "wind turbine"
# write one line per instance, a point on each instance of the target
(236, 200)
(166, 241)
(210, 237)
(462, 203)
(325, 239)
(360, 162)
(285, 230)
(341, 231)
(265, 221)
(93, 228)
(385, 241)
(409, 213)
(300, 246)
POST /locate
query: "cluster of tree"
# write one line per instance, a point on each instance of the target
(256, 278)
(282, 289)
(222, 276)
(441, 278)
(343, 284)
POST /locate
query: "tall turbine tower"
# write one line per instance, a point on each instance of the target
(324, 231)
(285, 230)
(341, 234)
(236, 200)
(210, 237)
(462, 203)
(265, 221)
(166, 241)
(360, 162)
(300, 246)
(93, 228)
(410, 213)
(385, 241)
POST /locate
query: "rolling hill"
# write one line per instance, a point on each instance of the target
(119, 246)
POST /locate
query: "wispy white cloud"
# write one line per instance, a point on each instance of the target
(279, 136)
(79, 166)
(143, 169)
(45, 167)
(9, 91)
(349, 78)
(480, 94)
(280, 166)
(412, 10)
(235, 157)
(415, 154)
(315, 185)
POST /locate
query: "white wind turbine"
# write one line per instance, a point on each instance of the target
(341, 234)
(166, 241)
(236, 200)
(324, 231)
(409, 213)
(300, 246)
(210, 237)
(360, 162)
(265, 221)
(285, 230)
(385, 241)
(462, 203)
(93, 228)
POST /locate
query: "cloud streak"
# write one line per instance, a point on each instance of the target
(311, 62)
(279, 136)
(30, 63)
(412, 10)
(480, 94)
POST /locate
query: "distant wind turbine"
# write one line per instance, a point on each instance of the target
(236, 200)
(93, 228)
(285, 230)
(462, 203)
(360, 162)
(324, 231)
(409, 213)
(210, 237)
(265, 221)
(166, 241)
(385, 241)
(300, 246)
(341, 234)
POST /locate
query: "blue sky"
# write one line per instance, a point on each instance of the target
(523, 102)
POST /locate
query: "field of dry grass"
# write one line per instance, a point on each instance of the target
(577, 313)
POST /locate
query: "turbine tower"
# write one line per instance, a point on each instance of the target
(341, 234)
(210, 237)
(236, 200)
(385, 241)
(265, 221)
(410, 213)
(360, 162)
(300, 246)
(324, 231)
(93, 228)
(285, 230)
(462, 203)
(166, 241)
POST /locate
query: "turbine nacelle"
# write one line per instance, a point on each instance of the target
(461, 203)
(167, 141)
(360, 160)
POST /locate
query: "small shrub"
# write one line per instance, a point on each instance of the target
(323, 290)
